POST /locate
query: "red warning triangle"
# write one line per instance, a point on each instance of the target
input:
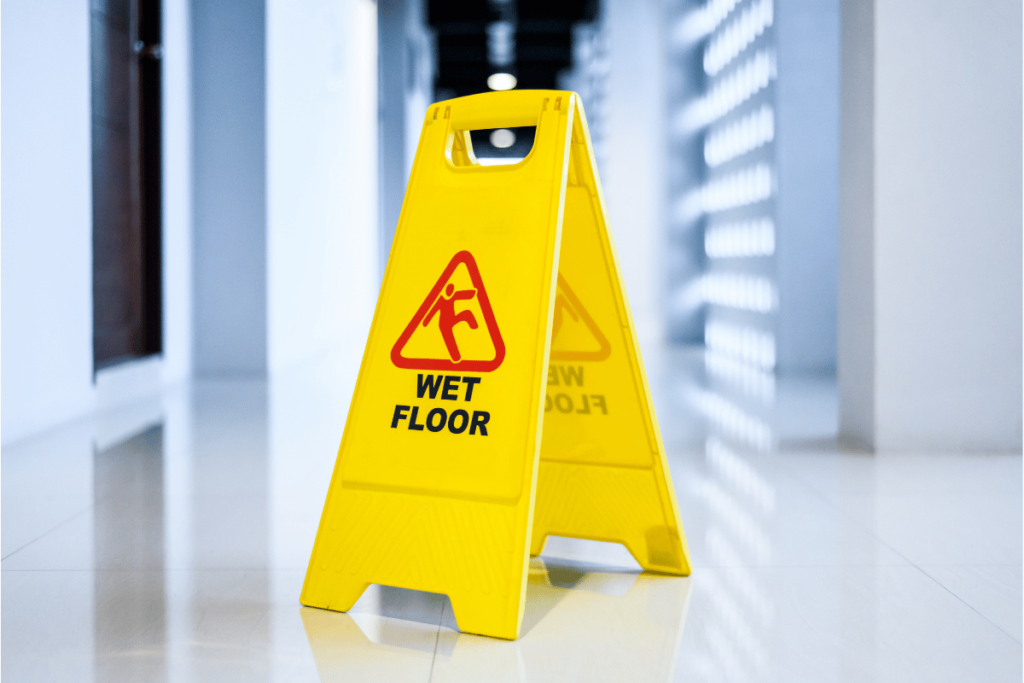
(574, 334)
(438, 313)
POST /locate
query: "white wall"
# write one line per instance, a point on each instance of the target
(634, 171)
(46, 215)
(229, 187)
(393, 60)
(806, 204)
(322, 232)
(855, 325)
(943, 260)
(177, 191)
(405, 92)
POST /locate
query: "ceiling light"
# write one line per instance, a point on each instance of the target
(501, 81)
(503, 138)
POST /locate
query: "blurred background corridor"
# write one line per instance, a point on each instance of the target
(817, 209)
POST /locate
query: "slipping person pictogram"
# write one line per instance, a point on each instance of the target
(448, 318)
(440, 304)
(562, 349)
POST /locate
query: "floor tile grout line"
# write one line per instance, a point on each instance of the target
(50, 530)
(846, 565)
(790, 467)
(164, 570)
(866, 528)
(813, 490)
(274, 570)
(437, 639)
(967, 604)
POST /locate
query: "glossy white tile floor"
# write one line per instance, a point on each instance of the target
(168, 542)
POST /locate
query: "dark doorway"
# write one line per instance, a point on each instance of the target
(126, 160)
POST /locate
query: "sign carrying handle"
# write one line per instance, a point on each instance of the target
(478, 112)
(509, 109)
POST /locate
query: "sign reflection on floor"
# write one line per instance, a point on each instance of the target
(582, 622)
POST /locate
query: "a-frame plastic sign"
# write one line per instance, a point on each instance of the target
(501, 397)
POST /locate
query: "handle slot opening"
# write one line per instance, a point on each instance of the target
(491, 146)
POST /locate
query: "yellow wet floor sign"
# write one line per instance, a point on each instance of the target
(501, 397)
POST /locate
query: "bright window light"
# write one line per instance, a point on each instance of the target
(735, 37)
(752, 382)
(739, 137)
(746, 186)
(746, 344)
(734, 421)
(742, 475)
(740, 291)
(740, 239)
(729, 92)
(501, 81)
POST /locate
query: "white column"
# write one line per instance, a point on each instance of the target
(177, 190)
(806, 204)
(633, 175)
(46, 216)
(930, 237)
(321, 194)
(229, 191)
